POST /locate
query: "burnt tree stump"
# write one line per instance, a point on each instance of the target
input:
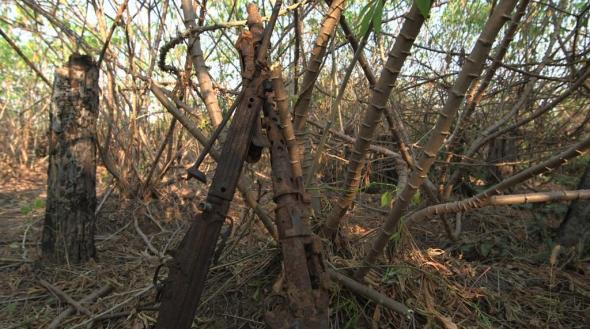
(68, 230)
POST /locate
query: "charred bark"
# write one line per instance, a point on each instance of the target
(68, 230)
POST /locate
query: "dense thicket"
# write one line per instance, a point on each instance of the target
(406, 115)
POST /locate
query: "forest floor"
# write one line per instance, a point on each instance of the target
(500, 273)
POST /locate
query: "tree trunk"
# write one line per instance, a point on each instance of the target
(575, 227)
(502, 151)
(312, 71)
(205, 84)
(379, 98)
(470, 71)
(68, 232)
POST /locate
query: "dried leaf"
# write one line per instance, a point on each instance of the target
(446, 322)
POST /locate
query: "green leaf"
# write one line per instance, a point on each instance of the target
(257, 294)
(466, 248)
(378, 16)
(25, 210)
(424, 6)
(386, 199)
(39, 203)
(485, 248)
(416, 199)
(395, 237)
(11, 308)
(365, 10)
(367, 17)
(371, 15)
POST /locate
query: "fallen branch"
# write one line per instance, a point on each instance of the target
(371, 294)
(64, 297)
(146, 240)
(100, 315)
(479, 200)
(14, 260)
(498, 200)
(104, 199)
(100, 292)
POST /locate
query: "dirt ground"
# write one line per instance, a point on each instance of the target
(499, 275)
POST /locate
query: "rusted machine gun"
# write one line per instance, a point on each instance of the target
(306, 280)
(188, 269)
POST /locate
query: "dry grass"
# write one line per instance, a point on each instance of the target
(498, 275)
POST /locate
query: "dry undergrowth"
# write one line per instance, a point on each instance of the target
(498, 275)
